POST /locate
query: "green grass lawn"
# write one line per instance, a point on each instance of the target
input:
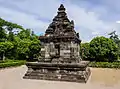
(105, 64)
(11, 63)
(14, 63)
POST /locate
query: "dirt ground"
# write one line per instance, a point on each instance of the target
(100, 79)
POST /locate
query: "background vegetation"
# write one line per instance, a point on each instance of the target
(18, 45)
(11, 63)
(101, 49)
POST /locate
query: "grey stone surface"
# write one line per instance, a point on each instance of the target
(60, 57)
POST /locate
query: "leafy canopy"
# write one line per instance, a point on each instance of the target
(103, 49)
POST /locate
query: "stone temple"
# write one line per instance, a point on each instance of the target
(60, 53)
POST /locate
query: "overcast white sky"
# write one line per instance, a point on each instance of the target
(92, 17)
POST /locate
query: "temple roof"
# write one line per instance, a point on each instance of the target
(61, 25)
(61, 7)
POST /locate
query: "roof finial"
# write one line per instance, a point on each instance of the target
(61, 7)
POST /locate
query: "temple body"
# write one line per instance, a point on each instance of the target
(61, 43)
(60, 53)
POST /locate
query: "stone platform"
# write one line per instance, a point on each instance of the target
(72, 72)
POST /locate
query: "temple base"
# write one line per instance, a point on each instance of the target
(58, 72)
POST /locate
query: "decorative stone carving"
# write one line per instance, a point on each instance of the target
(60, 57)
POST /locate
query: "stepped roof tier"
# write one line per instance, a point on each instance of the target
(59, 58)
(61, 27)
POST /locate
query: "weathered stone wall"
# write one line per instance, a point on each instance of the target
(45, 51)
(65, 50)
(69, 51)
(75, 51)
(59, 53)
(59, 73)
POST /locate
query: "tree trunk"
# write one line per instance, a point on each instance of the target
(3, 57)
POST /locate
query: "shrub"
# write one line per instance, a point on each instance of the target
(85, 51)
(103, 49)
(105, 64)
(11, 63)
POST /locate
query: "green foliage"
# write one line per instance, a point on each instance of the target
(9, 25)
(23, 45)
(34, 48)
(103, 49)
(3, 35)
(11, 36)
(85, 51)
(23, 48)
(5, 47)
(28, 48)
(11, 63)
(105, 64)
(116, 39)
(24, 34)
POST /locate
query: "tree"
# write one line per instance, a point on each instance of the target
(116, 39)
(28, 45)
(10, 26)
(85, 51)
(23, 49)
(22, 45)
(11, 36)
(34, 48)
(103, 49)
(25, 34)
(5, 47)
(3, 35)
